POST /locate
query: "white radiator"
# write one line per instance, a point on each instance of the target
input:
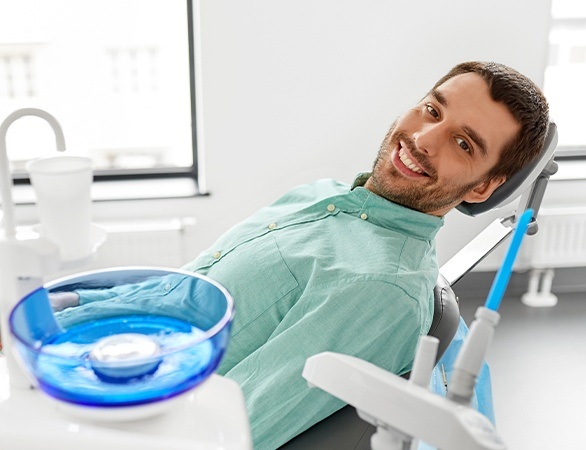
(561, 239)
(560, 242)
(158, 242)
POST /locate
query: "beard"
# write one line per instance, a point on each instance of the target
(423, 194)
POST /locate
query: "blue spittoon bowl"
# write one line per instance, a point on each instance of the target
(124, 336)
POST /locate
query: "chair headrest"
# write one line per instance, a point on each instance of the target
(518, 183)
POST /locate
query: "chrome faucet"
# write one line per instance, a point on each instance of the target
(5, 174)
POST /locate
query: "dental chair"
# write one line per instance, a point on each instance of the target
(345, 429)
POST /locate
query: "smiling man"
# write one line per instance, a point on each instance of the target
(442, 151)
(351, 269)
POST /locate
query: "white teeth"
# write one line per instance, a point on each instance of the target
(410, 164)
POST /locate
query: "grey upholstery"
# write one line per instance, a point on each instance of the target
(446, 315)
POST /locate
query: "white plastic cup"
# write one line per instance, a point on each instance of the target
(63, 188)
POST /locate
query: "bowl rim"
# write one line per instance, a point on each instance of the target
(204, 336)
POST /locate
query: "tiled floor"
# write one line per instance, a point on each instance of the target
(538, 365)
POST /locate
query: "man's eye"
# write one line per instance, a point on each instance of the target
(431, 110)
(463, 144)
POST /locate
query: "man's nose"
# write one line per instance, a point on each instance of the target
(429, 138)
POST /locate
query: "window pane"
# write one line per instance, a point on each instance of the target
(115, 73)
(564, 77)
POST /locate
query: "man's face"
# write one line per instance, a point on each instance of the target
(439, 153)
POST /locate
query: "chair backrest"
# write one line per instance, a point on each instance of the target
(446, 315)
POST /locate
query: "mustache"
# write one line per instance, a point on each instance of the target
(420, 158)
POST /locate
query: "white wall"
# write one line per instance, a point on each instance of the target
(292, 91)
(299, 90)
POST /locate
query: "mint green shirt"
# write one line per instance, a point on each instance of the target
(325, 268)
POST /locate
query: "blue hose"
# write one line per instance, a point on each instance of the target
(504, 273)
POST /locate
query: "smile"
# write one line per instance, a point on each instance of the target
(409, 163)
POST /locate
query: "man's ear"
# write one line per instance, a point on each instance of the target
(482, 191)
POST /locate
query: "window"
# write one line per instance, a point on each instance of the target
(117, 76)
(565, 76)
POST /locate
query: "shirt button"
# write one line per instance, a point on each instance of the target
(364, 216)
(217, 255)
(331, 207)
(272, 226)
(168, 286)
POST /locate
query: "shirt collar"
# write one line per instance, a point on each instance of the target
(388, 214)
(361, 179)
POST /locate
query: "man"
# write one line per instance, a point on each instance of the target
(351, 269)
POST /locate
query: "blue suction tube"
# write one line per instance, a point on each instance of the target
(503, 275)
(471, 356)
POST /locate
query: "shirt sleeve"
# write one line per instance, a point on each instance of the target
(173, 295)
(375, 321)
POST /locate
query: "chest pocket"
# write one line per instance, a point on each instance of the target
(262, 286)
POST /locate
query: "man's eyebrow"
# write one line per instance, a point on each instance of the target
(439, 97)
(480, 142)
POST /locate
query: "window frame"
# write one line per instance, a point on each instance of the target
(576, 152)
(22, 178)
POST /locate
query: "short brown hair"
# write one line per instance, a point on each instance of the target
(526, 103)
